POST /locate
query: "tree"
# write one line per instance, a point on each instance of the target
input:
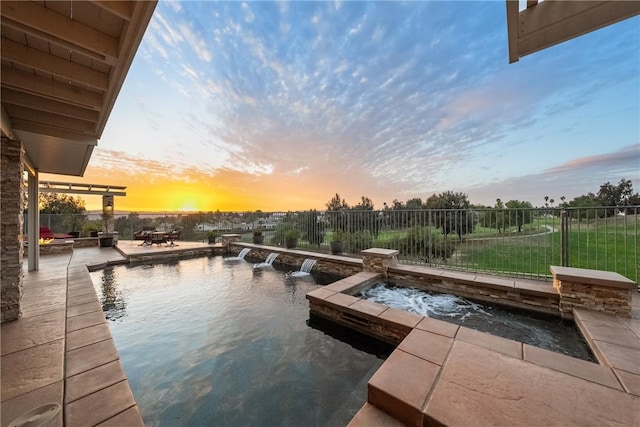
(452, 213)
(64, 210)
(588, 200)
(519, 213)
(337, 204)
(611, 195)
(363, 217)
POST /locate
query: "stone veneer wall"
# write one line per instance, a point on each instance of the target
(55, 248)
(290, 257)
(594, 290)
(479, 290)
(379, 260)
(11, 213)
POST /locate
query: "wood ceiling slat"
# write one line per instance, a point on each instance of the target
(46, 87)
(34, 33)
(56, 65)
(59, 26)
(122, 9)
(50, 119)
(12, 96)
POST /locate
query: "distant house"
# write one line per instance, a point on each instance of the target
(205, 226)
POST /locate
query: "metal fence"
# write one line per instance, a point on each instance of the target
(512, 242)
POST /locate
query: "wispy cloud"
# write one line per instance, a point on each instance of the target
(386, 99)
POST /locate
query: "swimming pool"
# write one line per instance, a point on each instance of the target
(204, 342)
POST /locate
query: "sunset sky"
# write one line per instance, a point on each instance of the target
(278, 106)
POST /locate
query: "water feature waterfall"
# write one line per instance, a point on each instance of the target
(271, 257)
(268, 262)
(240, 256)
(307, 265)
(305, 269)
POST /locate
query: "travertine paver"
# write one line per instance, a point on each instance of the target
(370, 308)
(32, 331)
(438, 327)
(342, 300)
(572, 366)
(342, 285)
(370, 416)
(621, 357)
(32, 368)
(91, 381)
(82, 299)
(79, 309)
(401, 385)
(87, 336)
(100, 406)
(85, 320)
(631, 382)
(91, 356)
(401, 318)
(129, 418)
(320, 293)
(491, 342)
(479, 387)
(426, 345)
(14, 408)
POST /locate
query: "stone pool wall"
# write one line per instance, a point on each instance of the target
(332, 264)
(587, 289)
(53, 248)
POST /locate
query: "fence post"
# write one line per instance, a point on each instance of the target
(564, 237)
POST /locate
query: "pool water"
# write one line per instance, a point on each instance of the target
(204, 342)
(545, 331)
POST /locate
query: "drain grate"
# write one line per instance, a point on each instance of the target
(37, 416)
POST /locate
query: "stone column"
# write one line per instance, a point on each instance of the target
(379, 260)
(595, 290)
(228, 239)
(11, 170)
(107, 213)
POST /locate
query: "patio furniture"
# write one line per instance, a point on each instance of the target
(46, 233)
(144, 233)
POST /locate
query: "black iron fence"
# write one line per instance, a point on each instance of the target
(513, 242)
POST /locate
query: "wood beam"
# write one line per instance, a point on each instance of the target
(51, 119)
(49, 88)
(512, 29)
(122, 9)
(61, 67)
(23, 99)
(5, 125)
(37, 16)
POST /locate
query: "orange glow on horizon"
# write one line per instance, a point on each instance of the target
(191, 193)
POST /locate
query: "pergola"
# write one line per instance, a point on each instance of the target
(63, 64)
(543, 24)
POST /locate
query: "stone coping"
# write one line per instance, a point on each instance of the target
(444, 374)
(486, 281)
(592, 277)
(378, 252)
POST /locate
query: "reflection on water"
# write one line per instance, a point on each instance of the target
(547, 332)
(112, 299)
(204, 342)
